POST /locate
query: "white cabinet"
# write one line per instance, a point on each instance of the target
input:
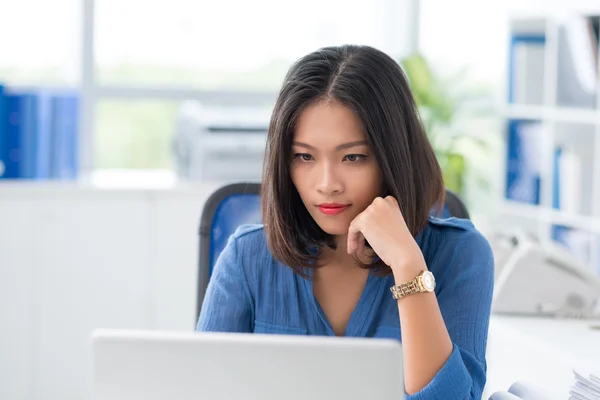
(74, 259)
(16, 302)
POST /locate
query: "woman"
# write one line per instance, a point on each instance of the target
(350, 244)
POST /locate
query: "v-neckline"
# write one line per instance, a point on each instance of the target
(361, 316)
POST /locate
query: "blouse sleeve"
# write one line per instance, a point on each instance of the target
(465, 302)
(227, 304)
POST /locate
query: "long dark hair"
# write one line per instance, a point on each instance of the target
(374, 87)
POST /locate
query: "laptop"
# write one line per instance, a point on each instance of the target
(153, 365)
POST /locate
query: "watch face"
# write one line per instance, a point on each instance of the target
(428, 281)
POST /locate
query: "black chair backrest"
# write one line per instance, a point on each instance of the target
(455, 206)
(239, 203)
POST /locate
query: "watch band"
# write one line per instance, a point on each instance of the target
(406, 289)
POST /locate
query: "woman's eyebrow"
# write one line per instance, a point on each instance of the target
(340, 147)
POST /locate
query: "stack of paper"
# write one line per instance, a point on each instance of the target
(585, 388)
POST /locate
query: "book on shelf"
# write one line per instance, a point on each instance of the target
(523, 170)
(39, 133)
(567, 188)
(577, 69)
(526, 68)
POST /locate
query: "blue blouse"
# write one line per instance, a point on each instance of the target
(249, 291)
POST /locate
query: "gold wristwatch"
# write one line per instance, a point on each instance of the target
(424, 282)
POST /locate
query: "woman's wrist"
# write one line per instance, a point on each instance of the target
(407, 271)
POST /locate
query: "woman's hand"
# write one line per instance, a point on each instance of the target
(383, 226)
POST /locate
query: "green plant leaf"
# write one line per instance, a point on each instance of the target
(420, 78)
(446, 104)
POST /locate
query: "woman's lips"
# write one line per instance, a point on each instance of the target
(332, 209)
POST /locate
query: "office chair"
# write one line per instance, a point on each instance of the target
(454, 206)
(239, 203)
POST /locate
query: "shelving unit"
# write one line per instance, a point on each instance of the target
(551, 183)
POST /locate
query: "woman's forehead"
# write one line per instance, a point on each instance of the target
(328, 125)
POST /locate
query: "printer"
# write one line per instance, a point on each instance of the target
(220, 143)
(541, 279)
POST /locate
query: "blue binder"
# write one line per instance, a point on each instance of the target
(29, 124)
(534, 40)
(43, 137)
(13, 143)
(39, 134)
(65, 124)
(523, 175)
(3, 131)
(556, 176)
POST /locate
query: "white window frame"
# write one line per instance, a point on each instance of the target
(92, 91)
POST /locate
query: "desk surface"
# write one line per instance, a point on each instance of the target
(541, 351)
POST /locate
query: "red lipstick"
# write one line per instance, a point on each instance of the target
(332, 208)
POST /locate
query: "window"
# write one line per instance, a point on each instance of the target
(39, 42)
(233, 44)
(134, 134)
(203, 48)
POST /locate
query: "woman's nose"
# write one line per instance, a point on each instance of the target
(328, 180)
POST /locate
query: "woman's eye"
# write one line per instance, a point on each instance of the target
(303, 156)
(354, 157)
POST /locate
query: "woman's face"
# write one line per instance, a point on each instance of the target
(333, 168)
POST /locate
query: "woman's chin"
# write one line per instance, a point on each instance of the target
(334, 229)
